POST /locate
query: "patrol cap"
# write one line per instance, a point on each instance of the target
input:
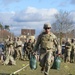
(47, 25)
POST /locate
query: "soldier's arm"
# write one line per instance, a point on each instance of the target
(74, 46)
(68, 45)
(57, 45)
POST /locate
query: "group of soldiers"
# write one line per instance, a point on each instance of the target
(69, 50)
(15, 48)
(47, 44)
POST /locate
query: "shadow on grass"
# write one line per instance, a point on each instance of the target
(4, 74)
(9, 74)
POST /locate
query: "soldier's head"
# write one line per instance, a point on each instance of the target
(47, 27)
(15, 38)
(10, 38)
(30, 40)
(18, 38)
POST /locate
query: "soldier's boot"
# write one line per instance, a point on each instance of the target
(42, 69)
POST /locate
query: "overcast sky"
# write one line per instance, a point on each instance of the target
(20, 14)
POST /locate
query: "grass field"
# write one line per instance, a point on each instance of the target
(65, 69)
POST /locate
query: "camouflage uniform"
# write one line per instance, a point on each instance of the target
(10, 45)
(19, 48)
(46, 41)
(9, 57)
(24, 50)
(67, 50)
(72, 51)
(15, 49)
(6, 45)
(29, 48)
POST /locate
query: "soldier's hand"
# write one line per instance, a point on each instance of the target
(34, 53)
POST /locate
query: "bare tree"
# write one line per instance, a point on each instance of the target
(63, 23)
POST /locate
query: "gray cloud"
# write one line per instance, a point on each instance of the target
(65, 3)
(72, 1)
(34, 15)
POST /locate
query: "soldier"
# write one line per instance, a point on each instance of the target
(29, 47)
(72, 51)
(6, 45)
(34, 42)
(9, 57)
(19, 48)
(24, 50)
(67, 50)
(15, 49)
(10, 44)
(46, 40)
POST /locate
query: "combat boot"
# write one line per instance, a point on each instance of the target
(42, 69)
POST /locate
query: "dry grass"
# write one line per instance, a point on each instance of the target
(65, 69)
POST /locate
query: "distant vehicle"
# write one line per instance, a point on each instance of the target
(2, 48)
(2, 52)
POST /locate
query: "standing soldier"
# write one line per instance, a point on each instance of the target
(34, 42)
(24, 50)
(10, 44)
(67, 50)
(72, 51)
(46, 40)
(19, 48)
(6, 45)
(9, 57)
(29, 47)
(15, 49)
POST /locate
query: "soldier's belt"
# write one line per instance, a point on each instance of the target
(67, 48)
(46, 48)
(11, 44)
(19, 46)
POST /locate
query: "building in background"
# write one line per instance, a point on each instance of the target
(28, 33)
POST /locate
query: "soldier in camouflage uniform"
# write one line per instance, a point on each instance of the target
(24, 50)
(29, 47)
(46, 40)
(6, 45)
(9, 57)
(67, 50)
(19, 48)
(72, 60)
(15, 49)
(34, 42)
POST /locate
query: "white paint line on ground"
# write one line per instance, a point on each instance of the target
(19, 69)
